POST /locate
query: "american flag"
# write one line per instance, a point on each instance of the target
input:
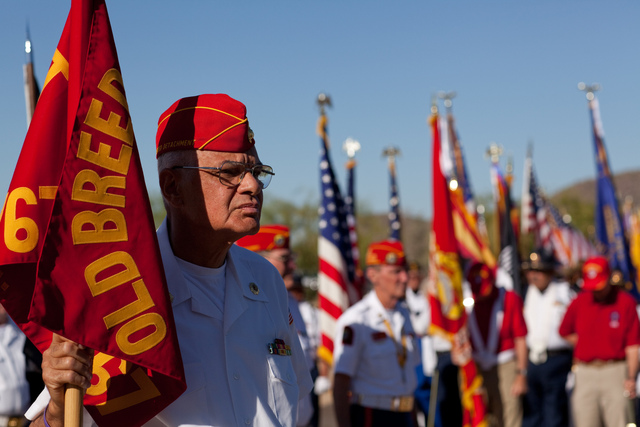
(551, 232)
(351, 223)
(336, 268)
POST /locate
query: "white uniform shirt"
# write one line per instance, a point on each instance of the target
(305, 406)
(309, 315)
(419, 310)
(543, 313)
(232, 380)
(369, 355)
(14, 389)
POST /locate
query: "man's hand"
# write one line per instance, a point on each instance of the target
(519, 386)
(630, 388)
(64, 362)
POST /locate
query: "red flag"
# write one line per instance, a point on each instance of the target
(448, 317)
(79, 255)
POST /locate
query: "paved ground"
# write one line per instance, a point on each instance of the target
(327, 416)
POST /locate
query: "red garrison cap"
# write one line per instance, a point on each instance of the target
(269, 237)
(205, 122)
(595, 273)
(387, 252)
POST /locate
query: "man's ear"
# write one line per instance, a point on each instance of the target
(170, 181)
(371, 274)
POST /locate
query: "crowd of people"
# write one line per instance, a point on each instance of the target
(558, 355)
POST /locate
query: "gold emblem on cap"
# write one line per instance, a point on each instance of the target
(391, 258)
(278, 240)
(254, 288)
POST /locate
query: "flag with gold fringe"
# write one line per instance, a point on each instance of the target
(445, 291)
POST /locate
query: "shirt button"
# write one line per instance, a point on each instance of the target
(236, 376)
(247, 421)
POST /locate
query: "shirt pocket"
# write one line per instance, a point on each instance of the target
(283, 388)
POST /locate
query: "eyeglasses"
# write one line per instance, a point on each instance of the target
(284, 258)
(231, 173)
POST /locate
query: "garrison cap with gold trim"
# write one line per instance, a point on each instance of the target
(268, 238)
(387, 252)
(214, 122)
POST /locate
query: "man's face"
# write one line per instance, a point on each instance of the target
(231, 212)
(415, 278)
(539, 279)
(389, 280)
(282, 259)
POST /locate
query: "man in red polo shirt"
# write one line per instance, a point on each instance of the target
(498, 332)
(602, 324)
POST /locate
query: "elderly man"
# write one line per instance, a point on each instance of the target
(550, 356)
(375, 349)
(602, 324)
(229, 304)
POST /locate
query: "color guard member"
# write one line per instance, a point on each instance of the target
(375, 353)
(241, 354)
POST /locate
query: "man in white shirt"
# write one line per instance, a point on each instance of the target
(550, 356)
(14, 388)
(375, 352)
(229, 304)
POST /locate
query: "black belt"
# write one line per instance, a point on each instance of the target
(560, 352)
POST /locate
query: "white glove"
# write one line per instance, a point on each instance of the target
(322, 385)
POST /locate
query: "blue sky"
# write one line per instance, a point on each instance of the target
(514, 65)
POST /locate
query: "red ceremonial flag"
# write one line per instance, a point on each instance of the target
(448, 316)
(80, 256)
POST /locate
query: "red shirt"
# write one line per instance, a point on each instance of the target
(604, 330)
(513, 323)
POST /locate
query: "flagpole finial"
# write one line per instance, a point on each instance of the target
(434, 104)
(323, 99)
(589, 89)
(351, 146)
(494, 152)
(391, 153)
(448, 98)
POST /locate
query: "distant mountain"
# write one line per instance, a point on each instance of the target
(626, 184)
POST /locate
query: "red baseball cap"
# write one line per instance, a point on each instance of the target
(387, 252)
(595, 273)
(214, 122)
(269, 237)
